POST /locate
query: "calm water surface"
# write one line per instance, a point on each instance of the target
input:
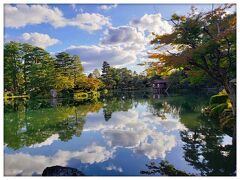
(117, 135)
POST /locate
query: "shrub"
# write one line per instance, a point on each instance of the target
(218, 99)
(217, 110)
(227, 120)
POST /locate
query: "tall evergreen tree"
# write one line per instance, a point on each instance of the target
(106, 76)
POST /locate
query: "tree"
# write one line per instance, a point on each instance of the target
(32, 70)
(105, 68)
(28, 62)
(96, 73)
(41, 72)
(106, 74)
(12, 66)
(77, 67)
(206, 41)
(64, 63)
(27, 69)
(88, 83)
(68, 70)
(63, 83)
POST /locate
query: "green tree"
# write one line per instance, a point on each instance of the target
(27, 69)
(68, 70)
(41, 72)
(27, 63)
(77, 67)
(64, 64)
(106, 76)
(12, 66)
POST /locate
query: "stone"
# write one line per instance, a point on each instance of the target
(61, 171)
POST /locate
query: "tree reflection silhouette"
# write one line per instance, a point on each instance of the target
(203, 142)
(164, 168)
(203, 150)
(114, 104)
(31, 126)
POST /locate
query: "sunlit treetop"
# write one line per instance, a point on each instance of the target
(206, 40)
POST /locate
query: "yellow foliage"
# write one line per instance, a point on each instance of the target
(63, 82)
(88, 83)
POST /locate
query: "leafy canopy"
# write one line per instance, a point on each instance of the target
(205, 40)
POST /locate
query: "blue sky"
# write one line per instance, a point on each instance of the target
(118, 34)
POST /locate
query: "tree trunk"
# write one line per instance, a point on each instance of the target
(231, 91)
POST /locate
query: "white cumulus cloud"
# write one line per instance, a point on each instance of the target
(94, 56)
(89, 22)
(152, 23)
(122, 34)
(119, 46)
(22, 15)
(38, 39)
(107, 7)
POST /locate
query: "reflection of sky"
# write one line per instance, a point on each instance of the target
(227, 140)
(34, 164)
(122, 145)
(47, 142)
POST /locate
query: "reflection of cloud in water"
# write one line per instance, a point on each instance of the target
(114, 168)
(227, 140)
(158, 147)
(93, 154)
(171, 123)
(118, 120)
(132, 131)
(120, 138)
(47, 142)
(25, 164)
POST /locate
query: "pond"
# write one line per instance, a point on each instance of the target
(118, 135)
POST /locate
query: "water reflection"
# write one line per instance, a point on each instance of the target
(164, 168)
(204, 149)
(30, 126)
(117, 135)
(35, 164)
(133, 131)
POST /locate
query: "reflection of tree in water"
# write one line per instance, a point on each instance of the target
(107, 114)
(203, 140)
(177, 104)
(29, 127)
(116, 104)
(123, 101)
(161, 108)
(164, 168)
(203, 150)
